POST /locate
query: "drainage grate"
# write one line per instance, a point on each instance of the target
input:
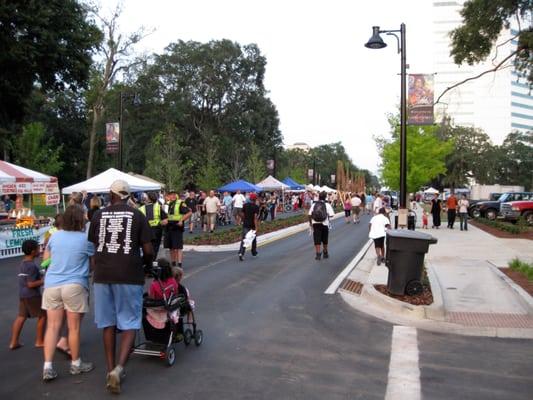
(351, 286)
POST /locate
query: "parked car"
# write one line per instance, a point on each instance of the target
(513, 210)
(491, 209)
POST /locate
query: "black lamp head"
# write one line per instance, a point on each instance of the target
(375, 42)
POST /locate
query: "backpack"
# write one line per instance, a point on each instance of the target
(320, 213)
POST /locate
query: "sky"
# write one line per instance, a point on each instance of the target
(326, 85)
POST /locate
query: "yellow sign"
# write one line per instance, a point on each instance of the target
(39, 200)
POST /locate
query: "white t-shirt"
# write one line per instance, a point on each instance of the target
(329, 210)
(238, 200)
(378, 225)
(378, 204)
(211, 204)
(355, 201)
(463, 205)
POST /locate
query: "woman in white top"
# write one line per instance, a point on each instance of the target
(463, 212)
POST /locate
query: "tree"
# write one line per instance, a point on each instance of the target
(116, 52)
(476, 37)
(255, 165)
(46, 44)
(426, 155)
(515, 160)
(473, 155)
(163, 161)
(35, 152)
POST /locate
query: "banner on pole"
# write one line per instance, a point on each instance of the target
(112, 137)
(420, 99)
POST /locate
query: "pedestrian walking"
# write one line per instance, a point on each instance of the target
(451, 206)
(319, 221)
(436, 208)
(227, 201)
(191, 203)
(178, 214)
(377, 230)
(119, 232)
(356, 207)
(463, 212)
(250, 221)
(30, 300)
(66, 289)
(347, 209)
(377, 204)
(200, 206)
(212, 207)
(238, 203)
(157, 219)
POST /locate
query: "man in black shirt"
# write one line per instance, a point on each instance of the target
(191, 202)
(118, 233)
(250, 218)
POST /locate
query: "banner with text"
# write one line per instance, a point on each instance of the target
(11, 239)
(420, 100)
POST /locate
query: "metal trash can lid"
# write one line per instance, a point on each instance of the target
(408, 234)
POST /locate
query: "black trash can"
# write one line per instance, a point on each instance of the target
(411, 222)
(405, 260)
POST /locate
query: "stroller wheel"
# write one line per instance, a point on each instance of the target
(187, 337)
(199, 337)
(170, 356)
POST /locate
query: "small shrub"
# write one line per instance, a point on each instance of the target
(514, 229)
(523, 267)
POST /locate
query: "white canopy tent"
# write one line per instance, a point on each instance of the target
(327, 189)
(270, 183)
(431, 191)
(102, 182)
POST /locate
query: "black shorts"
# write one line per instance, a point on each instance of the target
(347, 213)
(320, 234)
(174, 239)
(379, 243)
(31, 307)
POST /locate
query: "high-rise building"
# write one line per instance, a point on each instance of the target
(498, 102)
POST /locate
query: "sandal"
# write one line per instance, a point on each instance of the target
(64, 351)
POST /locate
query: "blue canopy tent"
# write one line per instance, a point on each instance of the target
(293, 184)
(241, 185)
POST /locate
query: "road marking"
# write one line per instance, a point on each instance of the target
(404, 373)
(332, 289)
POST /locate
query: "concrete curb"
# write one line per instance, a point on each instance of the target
(435, 311)
(261, 240)
(525, 299)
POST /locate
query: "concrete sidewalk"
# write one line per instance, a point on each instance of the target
(471, 296)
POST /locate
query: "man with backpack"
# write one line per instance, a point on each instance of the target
(319, 216)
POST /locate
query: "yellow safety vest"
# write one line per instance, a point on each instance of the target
(156, 221)
(174, 211)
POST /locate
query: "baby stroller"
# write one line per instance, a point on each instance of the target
(160, 342)
(222, 217)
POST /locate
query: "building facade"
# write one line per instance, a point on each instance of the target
(498, 102)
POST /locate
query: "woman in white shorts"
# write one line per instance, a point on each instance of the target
(66, 289)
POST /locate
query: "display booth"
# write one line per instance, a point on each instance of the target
(242, 185)
(17, 222)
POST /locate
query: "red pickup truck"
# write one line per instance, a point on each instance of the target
(513, 210)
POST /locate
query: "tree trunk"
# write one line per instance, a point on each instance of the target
(92, 140)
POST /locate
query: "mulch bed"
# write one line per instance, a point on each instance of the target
(423, 299)
(520, 279)
(502, 234)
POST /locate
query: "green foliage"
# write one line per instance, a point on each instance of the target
(48, 43)
(523, 267)
(163, 161)
(483, 21)
(255, 165)
(426, 155)
(503, 226)
(34, 151)
(514, 161)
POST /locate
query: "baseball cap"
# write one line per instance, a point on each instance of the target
(121, 188)
(253, 196)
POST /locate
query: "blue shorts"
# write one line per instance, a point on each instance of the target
(118, 305)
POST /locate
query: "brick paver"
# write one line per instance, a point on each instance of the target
(492, 320)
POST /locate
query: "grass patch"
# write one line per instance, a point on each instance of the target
(234, 234)
(504, 226)
(523, 267)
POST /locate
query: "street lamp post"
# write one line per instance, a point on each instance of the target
(376, 42)
(121, 125)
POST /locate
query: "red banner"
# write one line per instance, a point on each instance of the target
(420, 100)
(52, 199)
(112, 137)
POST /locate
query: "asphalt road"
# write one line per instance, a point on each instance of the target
(270, 332)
